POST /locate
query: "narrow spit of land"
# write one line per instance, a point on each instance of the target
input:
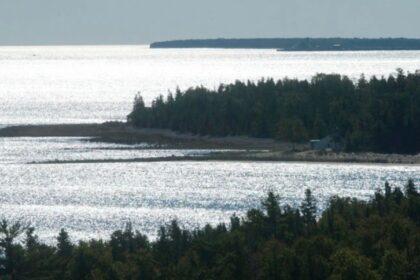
(247, 148)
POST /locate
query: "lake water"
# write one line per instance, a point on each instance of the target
(96, 84)
(94, 199)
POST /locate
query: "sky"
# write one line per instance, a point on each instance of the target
(59, 22)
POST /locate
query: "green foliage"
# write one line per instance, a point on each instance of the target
(291, 130)
(350, 265)
(351, 239)
(308, 209)
(380, 115)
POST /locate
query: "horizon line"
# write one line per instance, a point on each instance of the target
(189, 39)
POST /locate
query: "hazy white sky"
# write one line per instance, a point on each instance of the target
(145, 21)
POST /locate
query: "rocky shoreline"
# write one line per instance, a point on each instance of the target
(253, 149)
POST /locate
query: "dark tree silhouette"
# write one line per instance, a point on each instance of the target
(380, 115)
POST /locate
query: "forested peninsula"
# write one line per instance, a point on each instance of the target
(351, 239)
(298, 44)
(369, 115)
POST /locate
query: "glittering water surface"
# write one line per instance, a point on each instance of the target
(50, 149)
(98, 83)
(92, 200)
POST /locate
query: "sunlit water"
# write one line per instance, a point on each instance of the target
(68, 149)
(98, 83)
(94, 199)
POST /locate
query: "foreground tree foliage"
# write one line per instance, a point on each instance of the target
(380, 115)
(351, 239)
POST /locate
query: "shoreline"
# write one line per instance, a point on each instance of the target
(122, 133)
(217, 159)
(253, 149)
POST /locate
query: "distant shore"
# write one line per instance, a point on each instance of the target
(298, 44)
(250, 149)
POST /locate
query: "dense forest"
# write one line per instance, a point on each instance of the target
(379, 114)
(350, 240)
(298, 44)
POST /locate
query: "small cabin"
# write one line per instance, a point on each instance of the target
(330, 142)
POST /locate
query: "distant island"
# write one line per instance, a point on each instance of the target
(298, 44)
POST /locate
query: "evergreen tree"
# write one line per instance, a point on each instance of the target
(356, 240)
(308, 209)
(8, 235)
(273, 212)
(31, 240)
(378, 115)
(410, 188)
(64, 245)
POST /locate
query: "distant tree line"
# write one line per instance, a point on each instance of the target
(298, 44)
(379, 114)
(351, 240)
